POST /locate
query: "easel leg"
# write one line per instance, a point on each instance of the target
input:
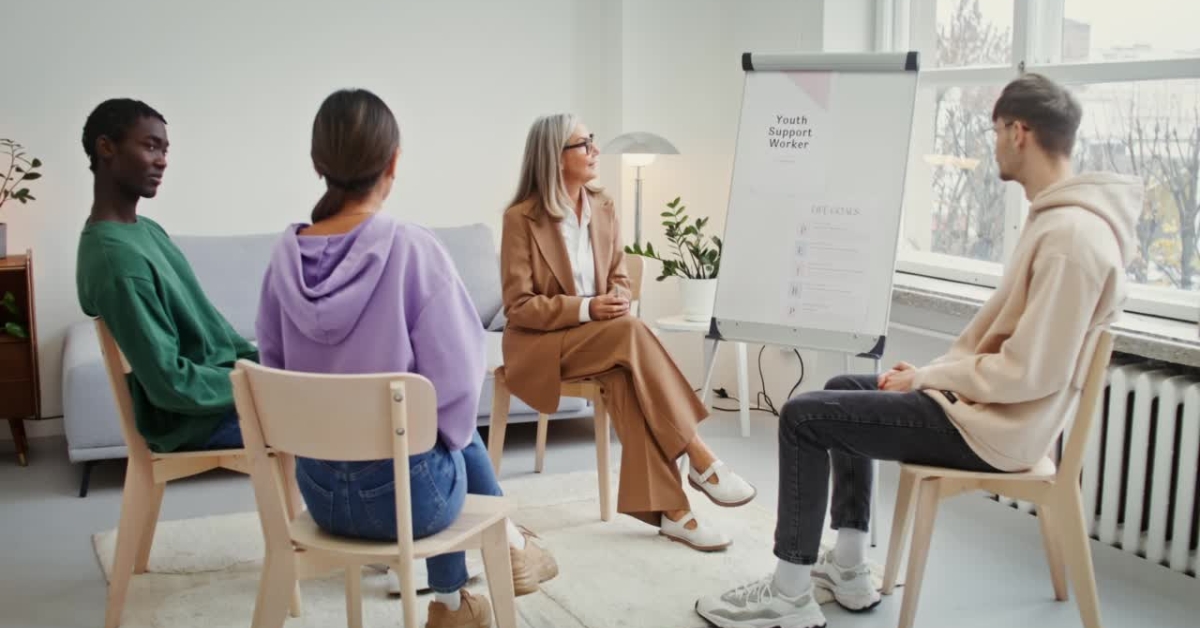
(710, 362)
(875, 488)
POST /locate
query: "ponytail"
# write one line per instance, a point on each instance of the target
(329, 204)
(355, 138)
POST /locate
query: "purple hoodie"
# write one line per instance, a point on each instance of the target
(383, 298)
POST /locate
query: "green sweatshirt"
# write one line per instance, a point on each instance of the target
(179, 346)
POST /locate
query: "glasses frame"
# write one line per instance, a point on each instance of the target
(587, 143)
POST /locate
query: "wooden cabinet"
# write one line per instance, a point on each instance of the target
(20, 397)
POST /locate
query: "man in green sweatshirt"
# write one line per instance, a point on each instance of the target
(131, 275)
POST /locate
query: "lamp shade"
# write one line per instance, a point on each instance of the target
(640, 143)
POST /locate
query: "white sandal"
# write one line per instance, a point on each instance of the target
(729, 491)
(704, 538)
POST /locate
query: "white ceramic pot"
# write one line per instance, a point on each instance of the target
(698, 296)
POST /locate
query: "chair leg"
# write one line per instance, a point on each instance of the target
(543, 427)
(901, 520)
(354, 596)
(1054, 551)
(927, 504)
(137, 490)
(275, 591)
(499, 422)
(408, 591)
(150, 519)
(1067, 515)
(498, 565)
(601, 422)
(87, 477)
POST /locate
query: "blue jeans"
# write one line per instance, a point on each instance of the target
(358, 499)
(228, 434)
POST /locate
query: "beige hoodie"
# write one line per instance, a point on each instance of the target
(1012, 378)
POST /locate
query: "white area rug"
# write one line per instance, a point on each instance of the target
(204, 572)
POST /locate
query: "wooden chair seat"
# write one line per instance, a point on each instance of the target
(1053, 488)
(585, 388)
(146, 476)
(379, 416)
(479, 513)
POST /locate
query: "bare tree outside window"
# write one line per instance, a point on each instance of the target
(968, 196)
(1151, 129)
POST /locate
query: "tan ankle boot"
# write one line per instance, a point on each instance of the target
(531, 566)
(474, 612)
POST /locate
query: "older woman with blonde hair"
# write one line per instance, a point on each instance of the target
(566, 298)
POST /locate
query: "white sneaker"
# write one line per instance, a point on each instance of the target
(851, 586)
(704, 538)
(760, 605)
(729, 491)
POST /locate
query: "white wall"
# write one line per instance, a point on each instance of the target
(239, 84)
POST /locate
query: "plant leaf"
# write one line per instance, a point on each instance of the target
(19, 169)
(15, 330)
(31, 176)
(37, 163)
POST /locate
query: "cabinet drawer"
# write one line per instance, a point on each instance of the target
(15, 362)
(16, 399)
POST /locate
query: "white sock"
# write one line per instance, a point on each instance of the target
(791, 579)
(851, 547)
(452, 600)
(515, 538)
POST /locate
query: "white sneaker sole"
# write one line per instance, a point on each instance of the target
(856, 602)
(787, 621)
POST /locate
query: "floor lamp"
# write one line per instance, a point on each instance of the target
(639, 149)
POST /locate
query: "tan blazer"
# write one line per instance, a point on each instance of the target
(540, 299)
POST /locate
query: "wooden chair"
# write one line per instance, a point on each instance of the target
(354, 418)
(1057, 496)
(588, 388)
(146, 477)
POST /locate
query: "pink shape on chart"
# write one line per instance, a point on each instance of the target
(816, 84)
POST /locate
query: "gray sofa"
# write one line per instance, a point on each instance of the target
(230, 269)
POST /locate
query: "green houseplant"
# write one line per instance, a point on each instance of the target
(694, 258)
(13, 177)
(10, 315)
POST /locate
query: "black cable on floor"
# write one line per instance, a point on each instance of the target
(763, 402)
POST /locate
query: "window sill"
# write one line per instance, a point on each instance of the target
(1150, 337)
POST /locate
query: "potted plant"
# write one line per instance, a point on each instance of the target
(20, 169)
(10, 317)
(695, 260)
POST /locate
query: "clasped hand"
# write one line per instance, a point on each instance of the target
(899, 379)
(608, 306)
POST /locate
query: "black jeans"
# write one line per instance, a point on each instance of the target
(850, 423)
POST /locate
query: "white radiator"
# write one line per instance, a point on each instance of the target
(1142, 465)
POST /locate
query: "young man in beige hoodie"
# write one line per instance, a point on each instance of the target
(995, 402)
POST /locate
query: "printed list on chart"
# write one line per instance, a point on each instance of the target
(828, 284)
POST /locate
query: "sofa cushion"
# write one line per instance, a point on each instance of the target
(88, 404)
(474, 254)
(230, 270)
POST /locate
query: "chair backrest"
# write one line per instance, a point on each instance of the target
(331, 417)
(1085, 415)
(635, 265)
(336, 417)
(117, 368)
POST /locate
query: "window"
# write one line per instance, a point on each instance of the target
(1135, 71)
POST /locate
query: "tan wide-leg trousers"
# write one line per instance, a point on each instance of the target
(651, 404)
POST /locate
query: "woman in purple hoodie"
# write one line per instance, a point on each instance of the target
(358, 291)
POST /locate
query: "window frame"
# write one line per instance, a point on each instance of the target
(1037, 47)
